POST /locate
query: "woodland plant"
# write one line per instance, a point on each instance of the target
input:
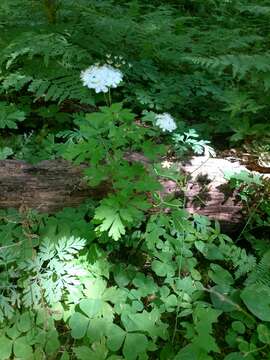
(132, 275)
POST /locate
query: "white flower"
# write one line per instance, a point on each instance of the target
(101, 78)
(166, 164)
(166, 122)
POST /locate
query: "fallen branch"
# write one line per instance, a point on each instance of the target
(54, 184)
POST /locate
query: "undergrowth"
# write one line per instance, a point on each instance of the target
(133, 275)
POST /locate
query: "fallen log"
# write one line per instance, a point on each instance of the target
(54, 184)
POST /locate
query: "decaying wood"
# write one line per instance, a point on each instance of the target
(54, 184)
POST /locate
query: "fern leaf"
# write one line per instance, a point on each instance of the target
(241, 64)
(261, 274)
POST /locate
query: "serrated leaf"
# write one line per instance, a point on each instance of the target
(111, 221)
(10, 115)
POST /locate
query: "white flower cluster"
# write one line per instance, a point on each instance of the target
(101, 78)
(166, 122)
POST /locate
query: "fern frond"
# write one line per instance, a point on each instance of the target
(261, 274)
(257, 10)
(60, 89)
(241, 64)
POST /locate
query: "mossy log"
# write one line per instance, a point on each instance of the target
(54, 184)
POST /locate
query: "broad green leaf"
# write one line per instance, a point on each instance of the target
(97, 329)
(65, 356)
(53, 343)
(13, 332)
(83, 353)
(191, 352)
(100, 350)
(123, 275)
(263, 333)
(134, 345)
(5, 348)
(219, 275)
(145, 284)
(5, 153)
(163, 269)
(25, 322)
(91, 307)
(235, 356)
(95, 288)
(115, 336)
(222, 297)
(79, 324)
(146, 322)
(257, 300)
(21, 349)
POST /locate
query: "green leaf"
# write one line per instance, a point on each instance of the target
(134, 345)
(10, 115)
(91, 307)
(53, 343)
(146, 322)
(219, 275)
(5, 153)
(83, 353)
(111, 221)
(115, 336)
(5, 348)
(13, 332)
(65, 356)
(163, 268)
(235, 356)
(222, 298)
(257, 300)
(145, 284)
(191, 352)
(97, 329)
(119, 210)
(263, 333)
(25, 322)
(239, 327)
(100, 350)
(79, 324)
(123, 275)
(21, 349)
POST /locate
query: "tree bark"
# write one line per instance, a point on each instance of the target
(54, 184)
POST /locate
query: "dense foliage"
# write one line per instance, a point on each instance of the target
(133, 275)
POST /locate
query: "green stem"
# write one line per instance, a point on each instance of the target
(110, 97)
(255, 350)
(182, 293)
